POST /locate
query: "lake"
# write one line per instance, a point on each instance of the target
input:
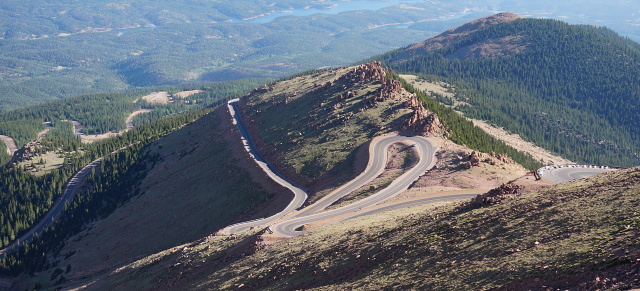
(338, 7)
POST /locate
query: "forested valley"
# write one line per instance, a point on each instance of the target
(25, 197)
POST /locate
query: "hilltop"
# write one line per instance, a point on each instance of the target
(570, 89)
(486, 48)
(315, 128)
(311, 126)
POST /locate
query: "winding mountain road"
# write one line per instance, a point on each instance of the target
(377, 162)
(11, 145)
(56, 210)
(378, 159)
(71, 188)
(300, 196)
(566, 173)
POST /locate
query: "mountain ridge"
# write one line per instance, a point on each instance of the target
(568, 88)
(458, 34)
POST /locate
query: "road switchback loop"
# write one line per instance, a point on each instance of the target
(377, 162)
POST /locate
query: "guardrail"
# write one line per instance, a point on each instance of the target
(547, 168)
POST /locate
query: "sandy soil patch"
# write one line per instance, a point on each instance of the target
(185, 94)
(157, 97)
(450, 174)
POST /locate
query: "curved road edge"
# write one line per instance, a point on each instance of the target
(565, 173)
(300, 196)
(411, 203)
(56, 210)
(11, 144)
(289, 228)
(375, 167)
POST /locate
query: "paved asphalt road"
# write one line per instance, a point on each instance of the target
(426, 150)
(57, 207)
(374, 168)
(300, 196)
(570, 173)
(376, 165)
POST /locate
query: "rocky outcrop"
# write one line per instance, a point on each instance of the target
(475, 158)
(27, 152)
(493, 196)
(422, 122)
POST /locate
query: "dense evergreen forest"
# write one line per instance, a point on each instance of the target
(572, 90)
(101, 113)
(25, 198)
(4, 157)
(463, 132)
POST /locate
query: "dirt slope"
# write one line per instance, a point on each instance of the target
(201, 184)
(583, 235)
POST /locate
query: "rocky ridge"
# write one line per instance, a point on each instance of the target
(296, 122)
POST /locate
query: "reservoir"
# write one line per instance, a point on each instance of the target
(335, 8)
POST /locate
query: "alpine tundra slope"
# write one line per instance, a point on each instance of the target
(377, 161)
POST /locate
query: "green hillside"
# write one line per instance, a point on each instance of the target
(570, 89)
(105, 112)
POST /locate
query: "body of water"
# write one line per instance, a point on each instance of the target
(338, 7)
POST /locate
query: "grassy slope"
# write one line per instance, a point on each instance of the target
(198, 188)
(560, 237)
(315, 138)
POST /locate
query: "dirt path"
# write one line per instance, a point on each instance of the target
(130, 118)
(43, 133)
(77, 128)
(512, 140)
(11, 145)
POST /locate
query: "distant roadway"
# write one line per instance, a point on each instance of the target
(561, 174)
(11, 145)
(57, 208)
(70, 190)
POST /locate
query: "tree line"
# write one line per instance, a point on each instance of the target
(464, 132)
(105, 112)
(107, 187)
(572, 90)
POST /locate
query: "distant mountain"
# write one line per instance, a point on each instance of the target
(572, 89)
(456, 35)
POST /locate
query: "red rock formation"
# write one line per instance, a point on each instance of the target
(422, 122)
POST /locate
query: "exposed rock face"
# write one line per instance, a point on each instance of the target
(422, 122)
(475, 158)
